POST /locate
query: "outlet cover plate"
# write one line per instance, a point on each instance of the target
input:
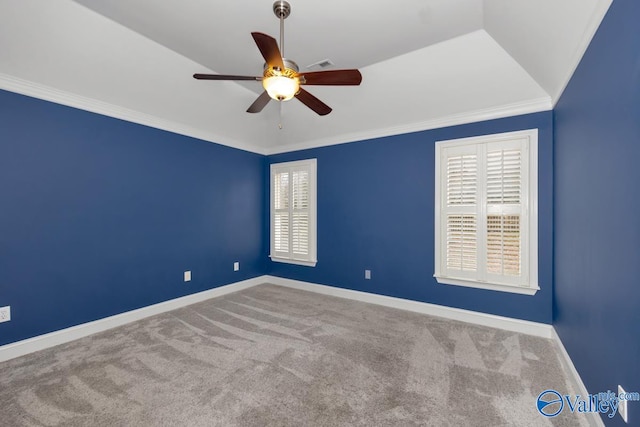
(367, 274)
(622, 406)
(187, 276)
(236, 266)
(5, 314)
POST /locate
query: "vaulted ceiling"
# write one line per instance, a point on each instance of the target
(425, 63)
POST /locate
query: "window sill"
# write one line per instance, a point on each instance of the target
(489, 286)
(294, 261)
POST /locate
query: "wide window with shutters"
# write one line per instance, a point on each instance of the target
(486, 222)
(293, 212)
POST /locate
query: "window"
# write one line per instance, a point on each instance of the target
(486, 216)
(293, 212)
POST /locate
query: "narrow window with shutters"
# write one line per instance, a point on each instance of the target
(293, 212)
(485, 212)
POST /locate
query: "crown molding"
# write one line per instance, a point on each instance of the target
(595, 20)
(515, 109)
(40, 91)
(36, 90)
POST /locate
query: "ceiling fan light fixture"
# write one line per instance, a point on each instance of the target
(281, 88)
(280, 77)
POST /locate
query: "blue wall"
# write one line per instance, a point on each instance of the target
(597, 209)
(99, 216)
(376, 211)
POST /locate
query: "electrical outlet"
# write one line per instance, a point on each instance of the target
(622, 405)
(236, 266)
(187, 276)
(5, 314)
(367, 274)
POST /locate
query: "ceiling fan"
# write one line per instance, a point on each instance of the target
(281, 78)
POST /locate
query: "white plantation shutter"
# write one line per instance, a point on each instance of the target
(281, 212)
(461, 212)
(486, 224)
(300, 213)
(293, 212)
(462, 245)
(504, 255)
(462, 177)
(504, 190)
(504, 174)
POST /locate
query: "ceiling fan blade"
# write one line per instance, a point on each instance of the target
(312, 102)
(259, 103)
(269, 49)
(224, 77)
(332, 77)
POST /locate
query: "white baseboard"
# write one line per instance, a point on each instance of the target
(515, 325)
(62, 336)
(42, 342)
(507, 323)
(593, 418)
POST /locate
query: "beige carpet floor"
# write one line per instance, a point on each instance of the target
(274, 356)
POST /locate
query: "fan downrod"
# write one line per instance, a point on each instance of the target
(281, 9)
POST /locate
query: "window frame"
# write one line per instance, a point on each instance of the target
(529, 212)
(309, 165)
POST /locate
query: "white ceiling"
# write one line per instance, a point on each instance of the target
(425, 63)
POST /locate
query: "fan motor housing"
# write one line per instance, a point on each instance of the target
(290, 69)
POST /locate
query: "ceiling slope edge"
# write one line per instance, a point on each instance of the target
(37, 90)
(592, 26)
(509, 110)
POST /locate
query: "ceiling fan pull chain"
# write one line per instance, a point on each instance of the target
(280, 120)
